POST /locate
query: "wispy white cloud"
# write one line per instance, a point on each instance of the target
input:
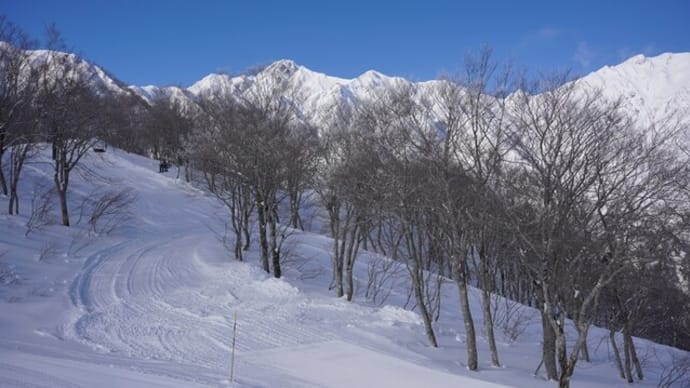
(626, 52)
(542, 35)
(649, 49)
(583, 54)
(547, 33)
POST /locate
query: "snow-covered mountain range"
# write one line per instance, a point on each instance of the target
(652, 88)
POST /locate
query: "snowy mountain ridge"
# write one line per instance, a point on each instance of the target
(652, 88)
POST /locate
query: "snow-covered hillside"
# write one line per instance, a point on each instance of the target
(653, 89)
(153, 303)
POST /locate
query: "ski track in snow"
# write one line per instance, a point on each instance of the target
(166, 297)
(159, 300)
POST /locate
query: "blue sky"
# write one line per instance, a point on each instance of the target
(175, 42)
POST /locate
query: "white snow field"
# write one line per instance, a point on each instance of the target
(152, 304)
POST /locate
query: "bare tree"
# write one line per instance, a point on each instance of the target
(303, 145)
(346, 186)
(106, 211)
(410, 195)
(676, 372)
(245, 150)
(266, 124)
(17, 90)
(129, 117)
(69, 115)
(472, 113)
(42, 206)
(582, 161)
(212, 148)
(167, 129)
(330, 197)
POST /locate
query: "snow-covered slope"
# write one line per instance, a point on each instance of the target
(153, 304)
(71, 65)
(653, 89)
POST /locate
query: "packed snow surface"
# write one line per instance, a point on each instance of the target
(153, 304)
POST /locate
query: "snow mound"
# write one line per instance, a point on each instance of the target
(393, 316)
(275, 288)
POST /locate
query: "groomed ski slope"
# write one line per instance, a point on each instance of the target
(153, 304)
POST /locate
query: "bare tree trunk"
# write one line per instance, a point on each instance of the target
(295, 219)
(633, 355)
(261, 208)
(63, 207)
(333, 213)
(549, 336)
(472, 357)
(562, 355)
(18, 154)
(246, 216)
(461, 281)
(568, 363)
(486, 307)
(628, 364)
(414, 266)
(616, 353)
(549, 348)
(238, 245)
(275, 250)
(13, 202)
(365, 232)
(3, 183)
(489, 327)
(338, 271)
(417, 275)
(61, 181)
(352, 250)
(584, 349)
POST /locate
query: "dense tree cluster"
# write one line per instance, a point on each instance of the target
(549, 196)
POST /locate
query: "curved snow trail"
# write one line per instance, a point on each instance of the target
(160, 300)
(171, 292)
(146, 299)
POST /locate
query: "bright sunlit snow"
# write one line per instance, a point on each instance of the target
(153, 305)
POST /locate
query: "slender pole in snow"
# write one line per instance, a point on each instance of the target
(232, 360)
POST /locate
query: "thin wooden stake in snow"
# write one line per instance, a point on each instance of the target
(232, 360)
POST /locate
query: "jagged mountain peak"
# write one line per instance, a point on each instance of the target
(652, 88)
(285, 67)
(211, 84)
